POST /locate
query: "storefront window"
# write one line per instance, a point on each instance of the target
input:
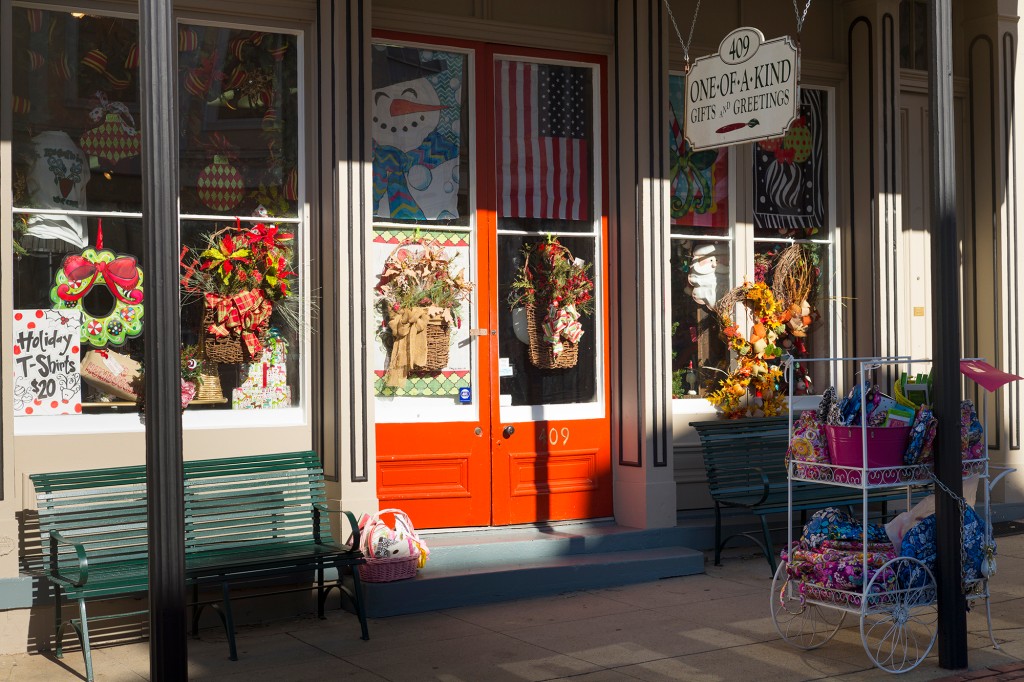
(79, 280)
(700, 257)
(791, 225)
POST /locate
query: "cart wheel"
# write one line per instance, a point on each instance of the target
(898, 626)
(804, 625)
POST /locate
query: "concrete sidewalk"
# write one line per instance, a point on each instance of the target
(705, 627)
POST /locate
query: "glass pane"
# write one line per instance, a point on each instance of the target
(79, 309)
(791, 174)
(921, 36)
(700, 275)
(420, 129)
(699, 194)
(239, 116)
(242, 312)
(529, 383)
(76, 108)
(420, 369)
(804, 275)
(906, 35)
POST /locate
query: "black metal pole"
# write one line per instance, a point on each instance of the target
(952, 637)
(158, 43)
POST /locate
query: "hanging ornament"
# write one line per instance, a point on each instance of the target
(61, 67)
(200, 79)
(188, 40)
(116, 137)
(95, 60)
(35, 60)
(291, 185)
(35, 19)
(279, 52)
(122, 276)
(21, 105)
(220, 185)
(131, 62)
(118, 82)
(270, 121)
(258, 88)
(237, 77)
(798, 140)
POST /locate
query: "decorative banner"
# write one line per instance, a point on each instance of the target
(700, 180)
(747, 91)
(790, 176)
(417, 111)
(46, 362)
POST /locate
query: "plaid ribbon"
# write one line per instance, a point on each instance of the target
(560, 326)
(243, 314)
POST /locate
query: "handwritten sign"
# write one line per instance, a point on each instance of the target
(46, 362)
(747, 91)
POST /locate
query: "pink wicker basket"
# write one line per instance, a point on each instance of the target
(387, 569)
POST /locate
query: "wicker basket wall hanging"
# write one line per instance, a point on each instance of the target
(420, 295)
(556, 291)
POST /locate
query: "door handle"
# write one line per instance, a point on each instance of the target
(508, 431)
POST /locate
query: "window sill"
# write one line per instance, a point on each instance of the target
(61, 425)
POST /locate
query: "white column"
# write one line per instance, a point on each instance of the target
(346, 421)
(645, 494)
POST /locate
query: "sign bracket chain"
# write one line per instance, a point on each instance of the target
(693, 24)
(800, 18)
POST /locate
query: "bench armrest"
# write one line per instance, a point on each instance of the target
(324, 509)
(765, 485)
(83, 561)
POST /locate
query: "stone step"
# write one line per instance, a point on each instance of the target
(492, 565)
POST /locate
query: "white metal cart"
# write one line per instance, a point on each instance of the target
(897, 605)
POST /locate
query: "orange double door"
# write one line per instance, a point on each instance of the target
(483, 151)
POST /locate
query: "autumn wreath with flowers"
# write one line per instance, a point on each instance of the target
(241, 272)
(752, 389)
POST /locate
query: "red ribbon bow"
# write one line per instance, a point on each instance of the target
(242, 314)
(120, 274)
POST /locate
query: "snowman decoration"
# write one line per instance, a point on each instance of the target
(415, 157)
(705, 269)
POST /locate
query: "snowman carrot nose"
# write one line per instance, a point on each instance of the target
(400, 107)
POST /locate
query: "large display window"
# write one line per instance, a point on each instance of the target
(79, 279)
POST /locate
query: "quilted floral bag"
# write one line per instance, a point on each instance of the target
(809, 444)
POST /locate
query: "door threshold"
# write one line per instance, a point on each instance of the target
(602, 521)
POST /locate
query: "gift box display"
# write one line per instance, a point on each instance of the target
(265, 383)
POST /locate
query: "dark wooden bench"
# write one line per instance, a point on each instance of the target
(745, 462)
(248, 520)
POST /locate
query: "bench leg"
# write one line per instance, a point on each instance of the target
(58, 621)
(718, 535)
(83, 634)
(197, 609)
(357, 599)
(769, 548)
(229, 622)
(321, 595)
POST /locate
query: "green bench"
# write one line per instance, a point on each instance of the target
(745, 462)
(248, 520)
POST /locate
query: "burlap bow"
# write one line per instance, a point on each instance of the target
(409, 352)
(560, 326)
(244, 314)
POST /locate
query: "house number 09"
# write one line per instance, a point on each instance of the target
(554, 434)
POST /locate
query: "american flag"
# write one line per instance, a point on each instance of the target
(541, 115)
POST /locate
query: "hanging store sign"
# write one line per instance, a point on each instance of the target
(748, 91)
